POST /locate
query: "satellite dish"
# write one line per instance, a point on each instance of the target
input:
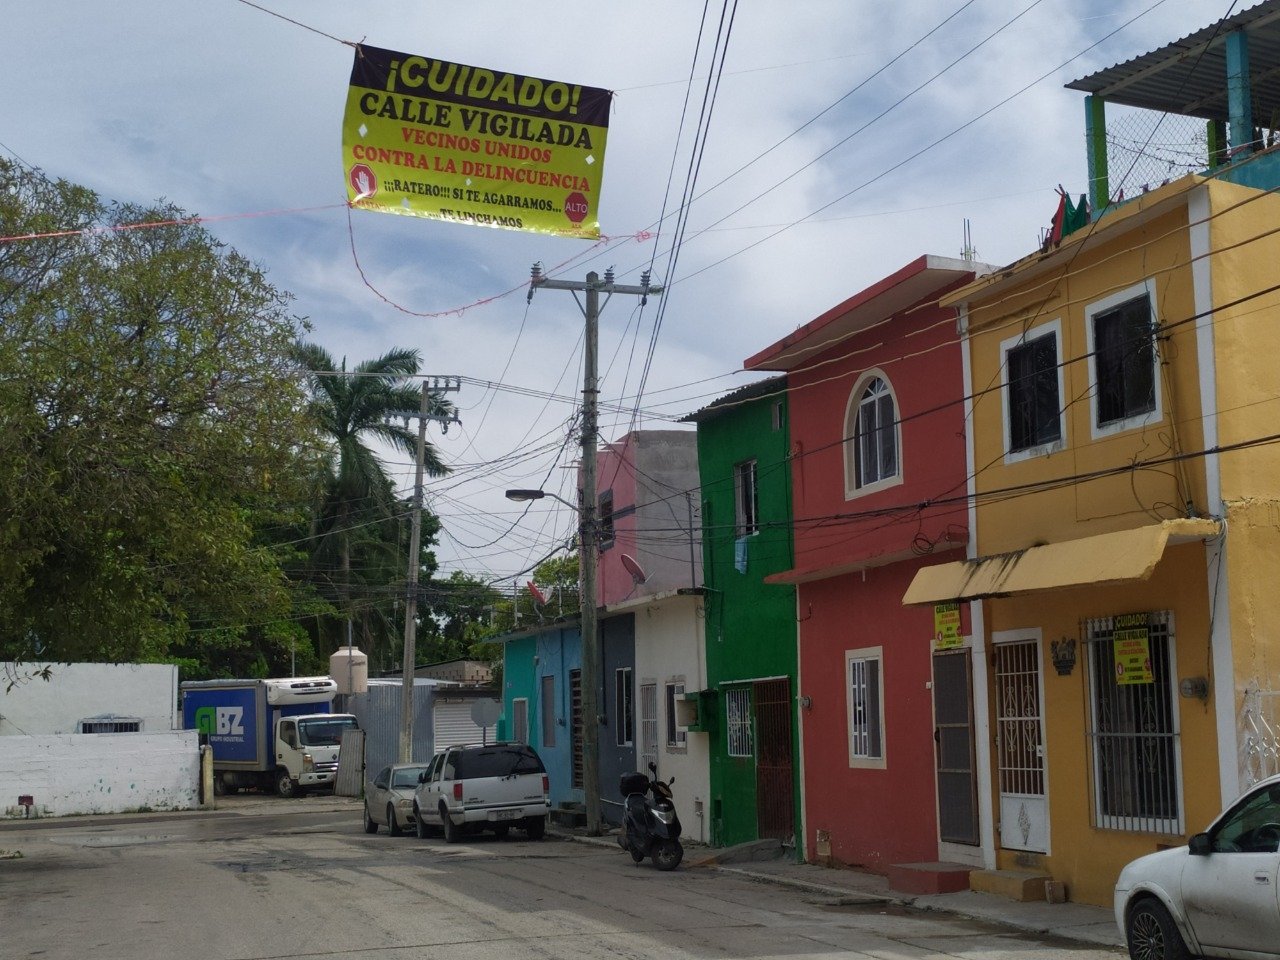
(539, 597)
(629, 563)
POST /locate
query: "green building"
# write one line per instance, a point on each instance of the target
(745, 475)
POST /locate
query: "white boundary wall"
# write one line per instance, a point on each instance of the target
(80, 691)
(100, 773)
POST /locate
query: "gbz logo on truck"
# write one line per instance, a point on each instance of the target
(221, 721)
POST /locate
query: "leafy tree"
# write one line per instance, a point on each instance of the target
(357, 534)
(153, 424)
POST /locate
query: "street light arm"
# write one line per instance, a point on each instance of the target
(523, 496)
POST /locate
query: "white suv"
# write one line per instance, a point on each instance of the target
(492, 787)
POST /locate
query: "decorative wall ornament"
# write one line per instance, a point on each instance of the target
(1064, 655)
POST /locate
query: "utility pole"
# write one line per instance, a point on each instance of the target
(430, 386)
(587, 523)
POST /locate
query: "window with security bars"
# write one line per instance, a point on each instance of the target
(1133, 735)
(1125, 360)
(866, 714)
(111, 725)
(737, 705)
(1033, 402)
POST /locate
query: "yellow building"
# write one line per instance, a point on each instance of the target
(1123, 396)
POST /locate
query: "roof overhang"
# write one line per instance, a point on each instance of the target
(1189, 76)
(1125, 556)
(919, 281)
(827, 571)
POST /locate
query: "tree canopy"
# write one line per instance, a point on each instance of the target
(153, 429)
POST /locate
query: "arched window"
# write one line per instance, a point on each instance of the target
(873, 437)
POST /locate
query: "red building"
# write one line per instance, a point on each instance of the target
(879, 482)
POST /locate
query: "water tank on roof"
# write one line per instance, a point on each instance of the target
(350, 668)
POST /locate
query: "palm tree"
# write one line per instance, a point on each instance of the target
(358, 511)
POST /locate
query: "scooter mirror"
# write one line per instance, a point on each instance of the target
(653, 767)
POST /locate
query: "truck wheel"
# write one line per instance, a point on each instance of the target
(219, 786)
(452, 832)
(419, 824)
(393, 825)
(369, 825)
(286, 786)
(535, 827)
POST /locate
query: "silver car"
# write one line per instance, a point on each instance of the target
(1218, 896)
(388, 798)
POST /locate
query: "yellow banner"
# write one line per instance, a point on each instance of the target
(430, 138)
(946, 626)
(1131, 645)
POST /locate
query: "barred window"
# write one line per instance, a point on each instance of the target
(111, 724)
(866, 708)
(737, 704)
(1134, 737)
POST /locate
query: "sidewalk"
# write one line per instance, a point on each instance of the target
(1072, 921)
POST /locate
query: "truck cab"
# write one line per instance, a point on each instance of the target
(307, 750)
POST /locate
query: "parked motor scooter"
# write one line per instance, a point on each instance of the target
(650, 828)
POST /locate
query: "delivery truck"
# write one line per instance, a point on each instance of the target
(271, 734)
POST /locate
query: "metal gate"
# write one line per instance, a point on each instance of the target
(953, 734)
(575, 714)
(775, 805)
(1020, 747)
(648, 726)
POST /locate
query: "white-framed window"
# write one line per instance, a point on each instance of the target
(676, 734)
(1134, 737)
(520, 719)
(737, 706)
(1124, 373)
(872, 459)
(625, 719)
(1034, 418)
(863, 679)
(549, 710)
(745, 499)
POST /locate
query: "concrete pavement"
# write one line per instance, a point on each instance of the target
(1073, 921)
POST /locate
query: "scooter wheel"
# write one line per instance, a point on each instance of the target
(636, 854)
(668, 855)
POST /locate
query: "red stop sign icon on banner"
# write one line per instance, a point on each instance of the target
(363, 180)
(575, 207)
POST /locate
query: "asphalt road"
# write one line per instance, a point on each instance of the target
(290, 879)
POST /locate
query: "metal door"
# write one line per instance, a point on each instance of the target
(953, 736)
(1020, 747)
(575, 721)
(775, 804)
(648, 726)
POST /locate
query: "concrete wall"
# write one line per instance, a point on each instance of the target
(100, 773)
(78, 691)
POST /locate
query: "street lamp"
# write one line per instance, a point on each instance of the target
(590, 648)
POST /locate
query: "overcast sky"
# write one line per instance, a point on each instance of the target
(235, 115)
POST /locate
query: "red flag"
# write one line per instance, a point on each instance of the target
(1055, 227)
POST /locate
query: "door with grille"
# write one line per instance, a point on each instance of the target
(648, 726)
(954, 747)
(775, 805)
(575, 722)
(1024, 821)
